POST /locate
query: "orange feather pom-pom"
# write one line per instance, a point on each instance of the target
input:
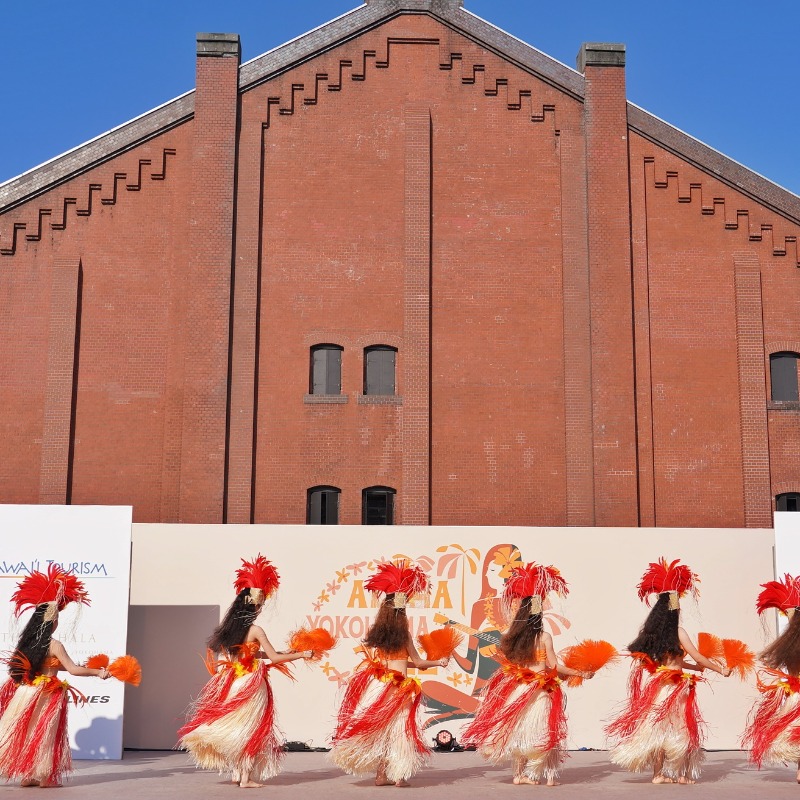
(710, 646)
(590, 655)
(317, 639)
(97, 662)
(440, 643)
(738, 657)
(126, 669)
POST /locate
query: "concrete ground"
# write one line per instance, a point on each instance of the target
(156, 775)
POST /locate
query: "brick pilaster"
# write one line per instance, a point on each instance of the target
(62, 353)
(244, 330)
(641, 178)
(415, 355)
(577, 339)
(208, 276)
(752, 392)
(609, 236)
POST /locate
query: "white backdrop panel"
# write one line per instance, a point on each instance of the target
(94, 542)
(322, 569)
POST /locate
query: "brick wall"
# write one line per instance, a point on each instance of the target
(583, 319)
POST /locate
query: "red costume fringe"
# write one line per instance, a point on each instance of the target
(214, 703)
(377, 726)
(655, 705)
(39, 722)
(352, 721)
(772, 714)
(498, 716)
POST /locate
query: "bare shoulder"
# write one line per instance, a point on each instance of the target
(546, 638)
(56, 647)
(254, 632)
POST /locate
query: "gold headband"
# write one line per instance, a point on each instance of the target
(256, 596)
(674, 601)
(536, 605)
(400, 600)
(52, 612)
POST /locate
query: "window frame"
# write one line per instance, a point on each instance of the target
(380, 348)
(325, 347)
(788, 498)
(788, 380)
(386, 491)
(324, 490)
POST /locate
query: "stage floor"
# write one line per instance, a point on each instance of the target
(156, 775)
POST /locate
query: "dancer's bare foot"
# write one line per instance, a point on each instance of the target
(250, 785)
(524, 780)
(402, 783)
(29, 782)
(662, 779)
(552, 782)
(686, 781)
(382, 780)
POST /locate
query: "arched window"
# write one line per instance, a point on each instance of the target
(379, 369)
(783, 376)
(377, 506)
(326, 369)
(788, 502)
(322, 507)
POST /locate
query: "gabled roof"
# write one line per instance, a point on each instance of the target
(354, 23)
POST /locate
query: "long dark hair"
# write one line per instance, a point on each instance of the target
(784, 652)
(232, 631)
(389, 631)
(32, 647)
(658, 637)
(518, 643)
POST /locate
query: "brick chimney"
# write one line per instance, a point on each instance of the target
(208, 275)
(610, 284)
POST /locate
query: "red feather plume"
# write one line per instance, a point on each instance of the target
(257, 574)
(783, 595)
(317, 639)
(126, 669)
(535, 580)
(710, 646)
(398, 576)
(440, 643)
(663, 577)
(55, 586)
(588, 656)
(99, 661)
(738, 657)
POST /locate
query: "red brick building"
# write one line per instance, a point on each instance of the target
(409, 254)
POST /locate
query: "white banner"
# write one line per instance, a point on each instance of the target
(191, 567)
(94, 543)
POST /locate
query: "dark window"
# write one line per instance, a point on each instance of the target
(378, 506)
(379, 366)
(788, 502)
(323, 506)
(326, 369)
(783, 376)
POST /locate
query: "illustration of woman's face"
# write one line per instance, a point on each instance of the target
(494, 578)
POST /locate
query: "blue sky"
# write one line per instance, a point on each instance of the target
(724, 73)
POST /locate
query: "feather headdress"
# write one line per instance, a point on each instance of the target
(54, 586)
(400, 578)
(259, 576)
(536, 581)
(783, 595)
(660, 577)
